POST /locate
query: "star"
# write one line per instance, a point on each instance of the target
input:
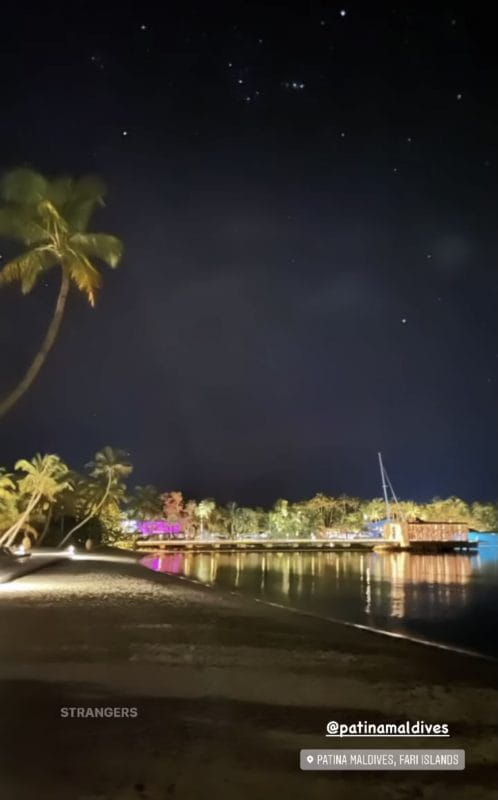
(404, 321)
(429, 255)
(409, 139)
(240, 80)
(459, 96)
(395, 169)
(124, 133)
(342, 12)
(143, 27)
(343, 134)
(96, 59)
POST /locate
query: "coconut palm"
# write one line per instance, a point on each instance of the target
(8, 500)
(44, 478)
(50, 219)
(107, 470)
(7, 487)
(203, 511)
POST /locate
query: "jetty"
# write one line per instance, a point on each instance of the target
(301, 545)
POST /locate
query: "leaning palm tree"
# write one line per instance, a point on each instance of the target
(50, 219)
(44, 478)
(107, 471)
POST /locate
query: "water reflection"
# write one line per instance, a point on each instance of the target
(444, 597)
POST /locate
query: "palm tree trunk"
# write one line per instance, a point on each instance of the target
(92, 514)
(45, 527)
(43, 352)
(9, 536)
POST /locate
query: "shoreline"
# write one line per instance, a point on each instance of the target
(226, 688)
(336, 621)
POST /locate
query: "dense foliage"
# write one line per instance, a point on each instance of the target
(43, 501)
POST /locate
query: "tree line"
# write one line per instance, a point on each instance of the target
(43, 501)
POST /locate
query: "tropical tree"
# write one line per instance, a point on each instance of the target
(50, 219)
(247, 521)
(451, 509)
(108, 469)
(203, 511)
(408, 510)
(173, 506)
(7, 488)
(374, 510)
(44, 478)
(484, 516)
(145, 502)
(189, 517)
(9, 511)
(327, 511)
(231, 509)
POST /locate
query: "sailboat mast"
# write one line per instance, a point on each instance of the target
(384, 486)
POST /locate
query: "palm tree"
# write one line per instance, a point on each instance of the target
(232, 511)
(44, 478)
(374, 510)
(50, 219)
(108, 469)
(7, 487)
(8, 500)
(145, 503)
(203, 511)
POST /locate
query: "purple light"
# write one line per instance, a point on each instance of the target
(154, 526)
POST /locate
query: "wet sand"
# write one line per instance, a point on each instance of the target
(227, 691)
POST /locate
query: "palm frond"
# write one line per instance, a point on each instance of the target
(50, 217)
(24, 186)
(27, 268)
(86, 194)
(23, 465)
(60, 191)
(21, 223)
(83, 273)
(7, 486)
(99, 245)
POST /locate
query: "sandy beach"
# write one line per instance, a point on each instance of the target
(227, 691)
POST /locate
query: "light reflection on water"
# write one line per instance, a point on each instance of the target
(447, 598)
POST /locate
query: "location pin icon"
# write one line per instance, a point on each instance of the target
(309, 759)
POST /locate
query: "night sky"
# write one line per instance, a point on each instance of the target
(308, 197)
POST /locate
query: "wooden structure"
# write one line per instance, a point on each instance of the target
(255, 545)
(422, 535)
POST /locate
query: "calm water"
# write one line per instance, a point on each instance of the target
(447, 598)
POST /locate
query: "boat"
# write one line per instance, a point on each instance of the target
(418, 535)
